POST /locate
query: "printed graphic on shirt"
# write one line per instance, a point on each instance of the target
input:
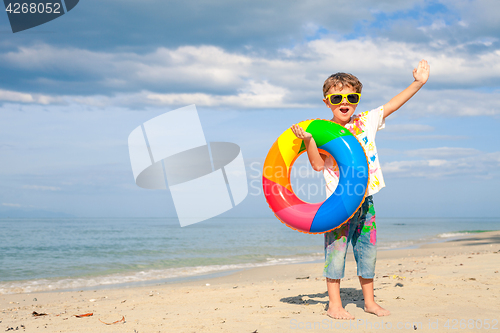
(364, 126)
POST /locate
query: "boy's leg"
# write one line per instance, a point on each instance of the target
(370, 305)
(335, 308)
(364, 243)
(336, 242)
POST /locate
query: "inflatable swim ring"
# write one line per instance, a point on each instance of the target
(321, 217)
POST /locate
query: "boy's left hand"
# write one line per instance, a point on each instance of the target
(421, 73)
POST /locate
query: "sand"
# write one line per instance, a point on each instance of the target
(449, 286)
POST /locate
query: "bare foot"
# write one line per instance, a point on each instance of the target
(338, 313)
(377, 310)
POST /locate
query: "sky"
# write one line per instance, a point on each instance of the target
(73, 89)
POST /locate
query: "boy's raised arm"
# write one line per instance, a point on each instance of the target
(420, 74)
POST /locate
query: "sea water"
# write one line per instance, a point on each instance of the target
(79, 253)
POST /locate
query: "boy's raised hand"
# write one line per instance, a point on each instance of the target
(421, 73)
(300, 133)
(315, 158)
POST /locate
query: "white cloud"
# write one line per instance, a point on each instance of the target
(405, 128)
(202, 66)
(253, 95)
(443, 152)
(14, 96)
(257, 95)
(479, 16)
(6, 204)
(456, 102)
(436, 25)
(212, 76)
(439, 162)
(426, 137)
(41, 188)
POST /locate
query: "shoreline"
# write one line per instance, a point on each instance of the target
(216, 272)
(453, 280)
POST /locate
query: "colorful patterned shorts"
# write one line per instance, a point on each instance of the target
(361, 231)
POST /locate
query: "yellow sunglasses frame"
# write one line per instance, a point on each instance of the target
(343, 96)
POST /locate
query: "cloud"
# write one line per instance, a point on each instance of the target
(212, 76)
(10, 204)
(436, 25)
(256, 95)
(228, 24)
(443, 152)
(14, 96)
(209, 68)
(426, 137)
(66, 101)
(446, 162)
(455, 103)
(185, 69)
(41, 188)
(405, 128)
(444, 24)
(480, 18)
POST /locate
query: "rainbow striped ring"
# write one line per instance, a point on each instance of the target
(330, 214)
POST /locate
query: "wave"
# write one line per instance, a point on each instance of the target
(395, 245)
(41, 285)
(460, 233)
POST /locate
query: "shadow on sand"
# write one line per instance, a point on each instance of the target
(348, 296)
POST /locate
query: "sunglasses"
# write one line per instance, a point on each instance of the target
(336, 99)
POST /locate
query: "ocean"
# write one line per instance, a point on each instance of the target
(81, 253)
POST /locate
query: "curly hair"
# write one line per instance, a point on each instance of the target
(339, 80)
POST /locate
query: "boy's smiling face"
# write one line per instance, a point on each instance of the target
(341, 112)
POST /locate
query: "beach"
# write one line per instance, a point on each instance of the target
(452, 285)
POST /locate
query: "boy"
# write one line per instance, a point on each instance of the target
(341, 93)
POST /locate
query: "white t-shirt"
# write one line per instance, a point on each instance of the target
(364, 126)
